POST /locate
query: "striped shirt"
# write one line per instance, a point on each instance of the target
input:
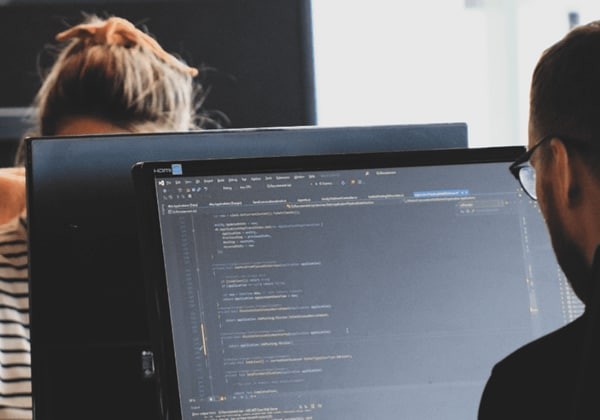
(15, 360)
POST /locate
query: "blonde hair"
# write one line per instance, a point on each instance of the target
(111, 70)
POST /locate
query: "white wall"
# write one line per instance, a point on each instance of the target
(421, 61)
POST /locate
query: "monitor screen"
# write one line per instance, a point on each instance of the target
(348, 287)
(89, 316)
(14, 123)
(255, 57)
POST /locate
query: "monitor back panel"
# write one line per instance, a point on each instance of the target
(88, 310)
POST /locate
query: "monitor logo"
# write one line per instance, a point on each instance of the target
(161, 170)
(176, 169)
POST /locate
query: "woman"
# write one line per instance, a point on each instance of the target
(109, 77)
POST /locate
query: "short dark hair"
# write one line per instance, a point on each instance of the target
(565, 91)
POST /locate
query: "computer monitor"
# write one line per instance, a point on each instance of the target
(370, 286)
(255, 57)
(88, 309)
(14, 123)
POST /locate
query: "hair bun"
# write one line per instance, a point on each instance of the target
(119, 31)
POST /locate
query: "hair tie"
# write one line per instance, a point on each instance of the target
(119, 31)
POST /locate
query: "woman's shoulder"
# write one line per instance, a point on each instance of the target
(12, 194)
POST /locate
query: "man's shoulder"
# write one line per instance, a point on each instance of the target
(536, 381)
(560, 348)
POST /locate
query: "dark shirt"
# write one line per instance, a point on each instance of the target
(538, 380)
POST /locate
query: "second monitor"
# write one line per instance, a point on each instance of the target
(88, 316)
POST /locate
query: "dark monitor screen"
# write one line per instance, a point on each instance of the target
(88, 311)
(255, 57)
(349, 287)
(14, 123)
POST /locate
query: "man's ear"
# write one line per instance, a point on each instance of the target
(567, 185)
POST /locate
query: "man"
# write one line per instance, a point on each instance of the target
(545, 379)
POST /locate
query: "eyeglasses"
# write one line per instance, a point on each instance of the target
(525, 173)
